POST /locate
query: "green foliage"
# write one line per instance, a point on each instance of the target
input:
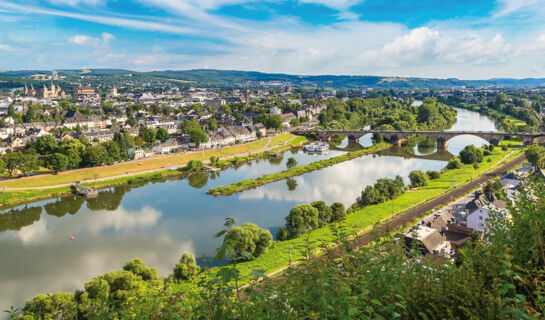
(418, 178)
(338, 212)
(471, 154)
(384, 189)
(324, 212)
(137, 267)
(58, 162)
(432, 174)
(535, 155)
(45, 144)
(301, 218)
(249, 238)
(282, 234)
(186, 268)
(194, 165)
(292, 163)
(454, 163)
(162, 134)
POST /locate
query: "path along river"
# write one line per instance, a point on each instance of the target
(157, 222)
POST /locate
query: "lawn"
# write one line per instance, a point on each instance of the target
(142, 165)
(278, 256)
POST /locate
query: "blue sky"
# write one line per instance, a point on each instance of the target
(475, 39)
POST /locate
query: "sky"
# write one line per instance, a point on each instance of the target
(465, 39)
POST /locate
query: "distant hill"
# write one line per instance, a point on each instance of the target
(225, 77)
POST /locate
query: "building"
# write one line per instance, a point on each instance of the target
(84, 91)
(136, 153)
(429, 240)
(45, 92)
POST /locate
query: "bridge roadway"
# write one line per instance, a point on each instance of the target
(441, 137)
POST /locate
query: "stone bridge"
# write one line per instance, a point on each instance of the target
(441, 137)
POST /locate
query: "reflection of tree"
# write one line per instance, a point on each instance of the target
(292, 184)
(63, 206)
(276, 160)
(214, 175)
(15, 219)
(198, 179)
(107, 200)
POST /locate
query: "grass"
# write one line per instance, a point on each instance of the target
(132, 167)
(278, 256)
(253, 183)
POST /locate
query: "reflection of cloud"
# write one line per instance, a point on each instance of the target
(42, 268)
(342, 182)
(48, 228)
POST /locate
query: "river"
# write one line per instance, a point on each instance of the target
(158, 221)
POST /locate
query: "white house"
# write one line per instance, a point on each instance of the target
(477, 220)
(136, 152)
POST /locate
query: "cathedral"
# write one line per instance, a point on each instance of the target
(45, 92)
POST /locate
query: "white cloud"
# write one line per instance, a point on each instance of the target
(74, 3)
(97, 43)
(6, 47)
(508, 7)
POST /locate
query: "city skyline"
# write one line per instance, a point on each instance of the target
(462, 39)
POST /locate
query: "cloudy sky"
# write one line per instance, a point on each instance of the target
(467, 39)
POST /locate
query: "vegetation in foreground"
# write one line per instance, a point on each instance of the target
(496, 276)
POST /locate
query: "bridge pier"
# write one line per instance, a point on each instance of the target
(442, 144)
(527, 140)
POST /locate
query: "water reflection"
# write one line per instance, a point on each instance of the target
(159, 220)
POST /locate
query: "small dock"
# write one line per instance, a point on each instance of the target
(274, 153)
(84, 191)
(210, 169)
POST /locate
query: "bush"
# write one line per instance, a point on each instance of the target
(137, 267)
(504, 148)
(282, 234)
(194, 165)
(324, 212)
(338, 212)
(490, 147)
(383, 190)
(475, 166)
(486, 152)
(489, 160)
(432, 175)
(418, 178)
(249, 238)
(186, 268)
(454, 163)
(301, 218)
(471, 154)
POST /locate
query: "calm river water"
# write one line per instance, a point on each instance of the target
(157, 222)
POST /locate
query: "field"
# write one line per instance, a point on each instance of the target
(279, 255)
(142, 165)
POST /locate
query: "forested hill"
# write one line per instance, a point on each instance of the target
(223, 77)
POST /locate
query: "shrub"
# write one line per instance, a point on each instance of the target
(486, 152)
(301, 218)
(249, 238)
(432, 175)
(324, 212)
(471, 154)
(489, 160)
(282, 234)
(193, 165)
(137, 267)
(418, 178)
(504, 148)
(490, 147)
(338, 212)
(475, 166)
(454, 163)
(186, 268)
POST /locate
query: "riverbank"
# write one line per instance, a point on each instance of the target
(30, 189)
(254, 183)
(362, 220)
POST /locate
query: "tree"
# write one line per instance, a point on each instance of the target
(186, 268)
(324, 212)
(188, 125)
(301, 218)
(147, 134)
(535, 154)
(27, 163)
(292, 163)
(138, 268)
(11, 162)
(454, 163)
(338, 212)
(282, 234)
(194, 165)
(198, 136)
(94, 156)
(46, 144)
(471, 154)
(368, 196)
(162, 134)
(432, 174)
(58, 162)
(212, 125)
(418, 178)
(249, 238)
